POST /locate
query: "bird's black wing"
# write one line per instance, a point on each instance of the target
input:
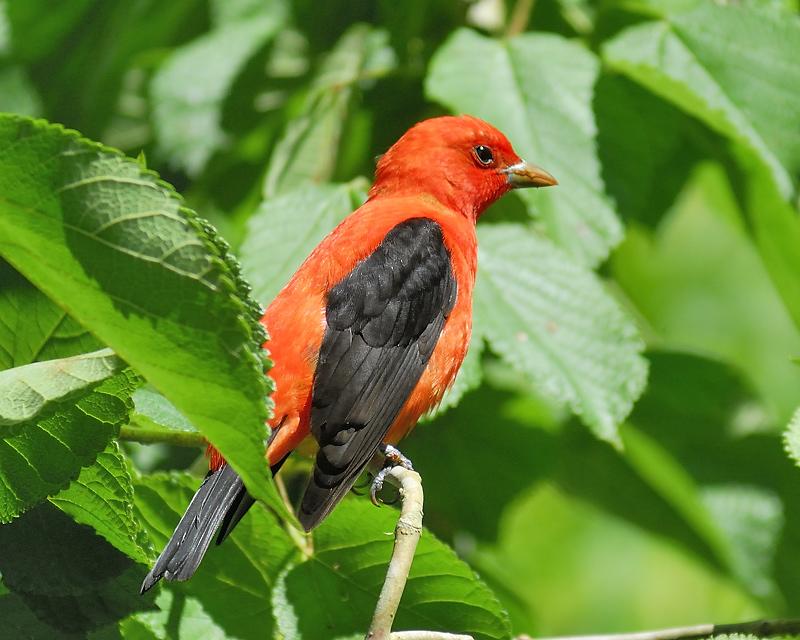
(383, 322)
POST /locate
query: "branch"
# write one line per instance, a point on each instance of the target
(406, 536)
(758, 628)
(145, 435)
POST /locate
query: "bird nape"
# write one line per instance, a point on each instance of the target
(371, 330)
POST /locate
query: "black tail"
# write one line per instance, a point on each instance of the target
(222, 496)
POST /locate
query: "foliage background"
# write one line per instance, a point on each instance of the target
(673, 127)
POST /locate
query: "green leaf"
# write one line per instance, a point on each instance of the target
(775, 227)
(113, 246)
(18, 621)
(233, 583)
(67, 575)
(191, 86)
(537, 89)
(351, 554)
(33, 327)
(18, 94)
(554, 322)
(38, 27)
(699, 284)
(736, 68)
(647, 148)
(309, 148)
(284, 231)
(156, 419)
(752, 521)
(26, 390)
(102, 497)
(43, 454)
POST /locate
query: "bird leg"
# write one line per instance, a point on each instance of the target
(392, 458)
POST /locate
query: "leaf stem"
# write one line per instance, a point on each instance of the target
(144, 435)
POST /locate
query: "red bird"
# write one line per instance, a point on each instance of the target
(370, 332)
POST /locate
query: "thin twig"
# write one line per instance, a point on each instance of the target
(520, 17)
(406, 536)
(758, 628)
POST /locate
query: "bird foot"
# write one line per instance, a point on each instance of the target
(392, 458)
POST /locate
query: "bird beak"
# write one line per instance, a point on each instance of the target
(524, 174)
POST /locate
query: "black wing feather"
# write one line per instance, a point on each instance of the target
(383, 321)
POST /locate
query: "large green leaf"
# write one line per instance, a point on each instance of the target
(113, 246)
(333, 593)
(43, 449)
(737, 68)
(537, 89)
(191, 86)
(554, 322)
(26, 390)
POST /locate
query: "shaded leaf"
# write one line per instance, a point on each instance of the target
(33, 327)
(554, 322)
(537, 89)
(102, 497)
(67, 575)
(351, 553)
(736, 68)
(231, 589)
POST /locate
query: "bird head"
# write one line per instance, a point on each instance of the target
(462, 162)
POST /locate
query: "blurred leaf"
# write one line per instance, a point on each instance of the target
(67, 575)
(537, 89)
(644, 146)
(699, 285)
(736, 68)
(284, 231)
(752, 521)
(102, 497)
(26, 390)
(310, 146)
(113, 245)
(232, 586)
(554, 322)
(38, 27)
(775, 225)
(351, 554)
(17, 93)
(43, 454)
(189, 89)
(698, 410)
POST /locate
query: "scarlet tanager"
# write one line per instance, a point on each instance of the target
(370, 332)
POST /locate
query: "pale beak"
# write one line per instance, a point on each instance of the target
(524, 174)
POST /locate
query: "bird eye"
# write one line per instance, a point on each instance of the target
(483, 154)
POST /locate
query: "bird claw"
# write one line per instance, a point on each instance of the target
(393, 458)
